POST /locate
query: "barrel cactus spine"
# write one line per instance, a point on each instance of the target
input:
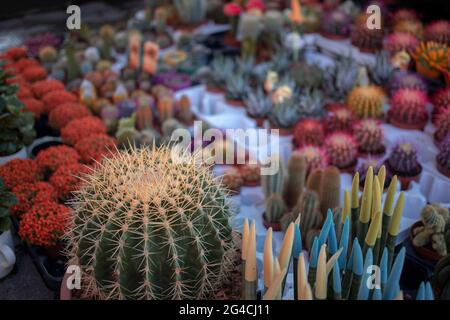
(408, 109)
(148, 227)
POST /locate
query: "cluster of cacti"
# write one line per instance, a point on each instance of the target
(399, 41)
(154, 248)
(236, 86)
(336, 23)
(338, 118)
(184, 112)
(381, 72)
(191, 11)
(220, 68)
(366, 101)
(407, 80)
(434, 219)
(344, 276)
(414, 27)
(272, 186)
(403, 160)
(286, 111)
(308, 132)
(311, 102)
(307, 75)
(408, 109)
(369, 136)
(441, 276)
(251, 27)
(440, 101)
(431, 57)
(342, 150)
(251, 174)
(443, 158)
(442, 125)
(340, 79)
(438, 31)
(367, 40)
(315, 156)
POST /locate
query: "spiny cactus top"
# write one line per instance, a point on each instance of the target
(149, 227)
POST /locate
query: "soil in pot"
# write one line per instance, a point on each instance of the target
(276, 226)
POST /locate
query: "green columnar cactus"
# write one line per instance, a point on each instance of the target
(149, 224)
(73, 67)
(330, 189)
(250, 29)
(144, 116)
(309, 208)
(296, 179)
(273, 189)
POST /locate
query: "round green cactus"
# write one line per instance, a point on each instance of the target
(147, 226)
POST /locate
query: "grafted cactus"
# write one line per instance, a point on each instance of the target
(148, 227)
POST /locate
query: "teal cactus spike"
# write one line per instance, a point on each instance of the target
(332, 241)
(313, 262)
(348, 275)
(384, 267)
(297, 247)
(337, 289)
(394, 277)
(323, 235)
(344, 243)
(421, 292)
(364, 291)
(358, 263)
(429, 295)
(377, 295)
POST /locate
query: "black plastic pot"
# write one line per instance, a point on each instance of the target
(46, 142)
(42, 128)
(51, 270)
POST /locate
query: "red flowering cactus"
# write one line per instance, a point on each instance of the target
(55, 98)
(308, 132)
(42, 87)
(67, 179)
(34, 106)
(28, 194)
(24, 92)
(45, 223)
(50, 159)
(255, 5)
(64, 113)
(81, 128)
(232, 9)
(93, 148)
(23, 64)
(34, 73)
(15, 54)
(19, 171)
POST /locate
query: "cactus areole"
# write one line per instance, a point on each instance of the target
(149, 227)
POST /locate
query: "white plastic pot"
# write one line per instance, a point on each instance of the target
(21, 154)
(7, 256)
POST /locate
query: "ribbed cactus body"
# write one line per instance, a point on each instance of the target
(296, 179)
(432, 219)
(191, 11)
(408, 106)
(309, 207)
(330, 189)
(148, 227)
(314, 181)
(369, 135)
(273, 189)
(184, 110)
(144, 117)
(366, 102)
(443, 125)
(275, 208)
(443, 158)
(342, 150)
(165, 108)
(403, 160)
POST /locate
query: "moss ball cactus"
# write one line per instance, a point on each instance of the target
(308, 132)
(150, 226)
(404, 163)
(443, 158)
(442, 126)
(431, 57)
(369, 135)
(366, 101)
(338, 118)
(407, 80)
(315, 157)
(440, 101)
(342, 150)
(399, 41)
(438, 31)
(408, 109)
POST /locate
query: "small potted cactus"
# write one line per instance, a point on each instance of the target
(342, 151)
(285, 112)
(219, 70)
(308, 132)
(407, 80)
(399, 41)
(408, 109)
(369, 135)
(339, 80)
(232, 181)
(442, 126)
(403, 162)
(438, 31)
(336, 25)
(275, 206)
(366, 101)
(443, 158)
(191, 13)
(184, 111)
(251, 174)
(258, 105)
(365, 39)
(236, 88)
(338, 118)
(440, 101)
(376, 164)
(316, 158)
(430, 58)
